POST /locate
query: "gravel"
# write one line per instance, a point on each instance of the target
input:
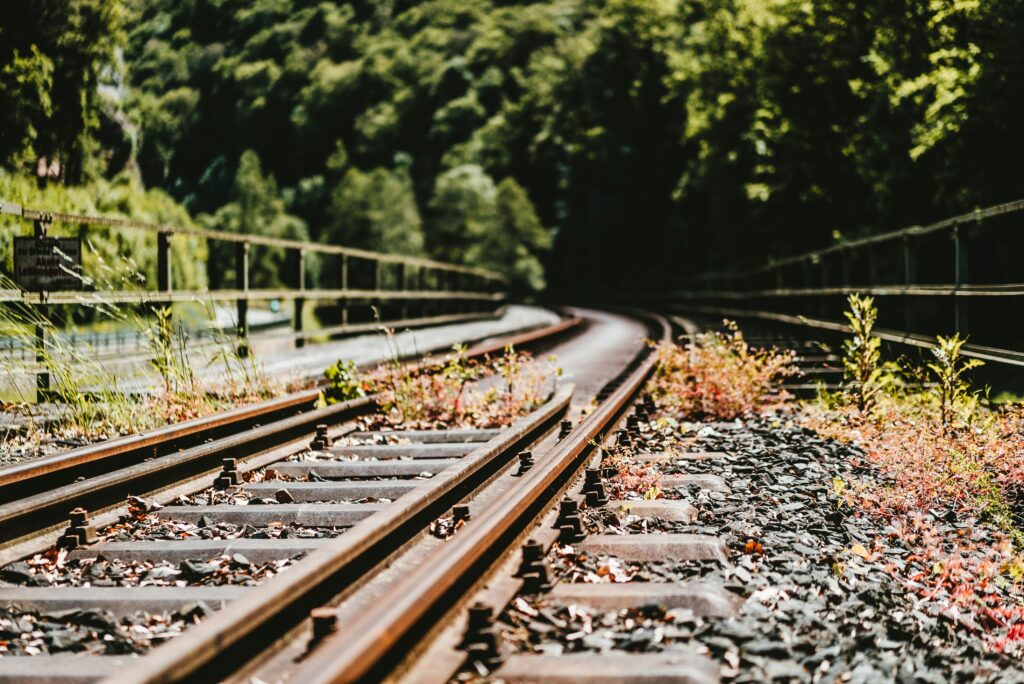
(56, 570)
(90, 631)
(814, 611)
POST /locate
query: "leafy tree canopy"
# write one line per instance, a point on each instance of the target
(515, 134)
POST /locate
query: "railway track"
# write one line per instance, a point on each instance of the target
(306, 527)
(38, 495)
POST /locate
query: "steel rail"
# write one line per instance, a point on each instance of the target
(372, 645)
(233, 635)
(42, 511)
(44, 503)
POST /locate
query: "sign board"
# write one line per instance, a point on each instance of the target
(48, 264)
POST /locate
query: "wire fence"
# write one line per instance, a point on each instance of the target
(349, 290)
(963, 275)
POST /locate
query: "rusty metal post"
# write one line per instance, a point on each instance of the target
(242, 303)
(375, 286)
(822, 299)
(163, 261)
(344, 287)
(164, 282)
(909, 275)
(961, 320)
(39, 228)
(421, 285)
(400, 277)
(299, 303)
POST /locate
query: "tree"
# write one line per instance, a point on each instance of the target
(54, 55)
(495, 227)
(375, 210)
(255, 209)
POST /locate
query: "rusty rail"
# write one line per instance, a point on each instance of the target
(216, 647)
(41, 492)
(371, 647)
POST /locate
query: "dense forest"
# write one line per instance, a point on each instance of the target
(565, 136)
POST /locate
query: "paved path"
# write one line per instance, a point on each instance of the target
(372, 348)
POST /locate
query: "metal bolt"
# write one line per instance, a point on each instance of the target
(460, 513)
(533, 569)
(564, 429)
(525, 462)
(481, 641)
(78, 516)
(568, 524)
(593, 487)
(325, 623)
(229, 476)
(79, 532)
(321, 439)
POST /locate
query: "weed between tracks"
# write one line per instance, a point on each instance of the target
(454, 392)
(942, 471)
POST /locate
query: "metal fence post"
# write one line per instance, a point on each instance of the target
(344, 287)
(164, 282)
(375, 286)
(242, 303)
(299, 303)
(421, 285)
(39, 228)
(400, 276)
(961, 321)
(908, 278)
(163, 261)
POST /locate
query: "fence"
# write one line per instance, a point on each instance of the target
(401, 290)
(962, 274)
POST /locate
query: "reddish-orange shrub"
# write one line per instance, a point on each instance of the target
(719, 376)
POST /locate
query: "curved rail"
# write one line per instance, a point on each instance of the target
(230, 638)
(370, 648)
(42, 492)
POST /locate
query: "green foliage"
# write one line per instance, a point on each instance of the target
(496, 227)
(948, 368)
(718, 130)
(375, 210)
(115, 256)
(54, 55)
(255, 208)
(864, 371)
(344, 382)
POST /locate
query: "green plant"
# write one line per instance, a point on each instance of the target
(459, 371)
(953, 392)
(865, 376)
(168, 346)
(344, 382)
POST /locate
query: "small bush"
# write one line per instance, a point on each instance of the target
(455, 391)
(864, 373)
(345, 383)
(954, 394)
